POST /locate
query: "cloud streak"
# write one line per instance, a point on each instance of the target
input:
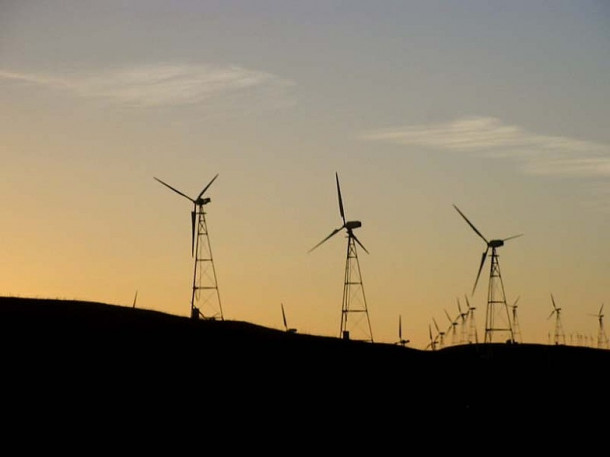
(160, 85)
(489, 137)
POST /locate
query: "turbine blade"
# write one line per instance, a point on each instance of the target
(512, 237)
(358, 241)
(471, 225)
(334, 232)
(206, 187)
(515, 304)
(193, 217)
(467, 302)
(135, 298)
(483, 257)
(553, 300)
(399, 327)
(448, 317)
(340, 199)
(284, 317)
(175, 190)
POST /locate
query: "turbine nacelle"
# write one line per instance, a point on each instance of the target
(495, 243)
(350, 225)
(202, 201)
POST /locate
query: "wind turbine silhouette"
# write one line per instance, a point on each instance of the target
(495, 292)
(288, 329)
(463, 315)
(559, 336)
(452, 329)
(440, 334)
(353, 289)
(401, 341)
(473, 336)
(602, 339)
(432, 343)
(201, 250)
(516, 326)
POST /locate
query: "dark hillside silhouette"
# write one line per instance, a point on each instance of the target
(106, 355)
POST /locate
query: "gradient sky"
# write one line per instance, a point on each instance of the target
(498, 107)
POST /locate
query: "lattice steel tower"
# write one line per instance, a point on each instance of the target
(355, 322)
(205, 297)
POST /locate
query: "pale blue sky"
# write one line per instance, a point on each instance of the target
(499, 107)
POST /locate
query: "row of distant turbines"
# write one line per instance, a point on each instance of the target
(355, 322)
(462, 329)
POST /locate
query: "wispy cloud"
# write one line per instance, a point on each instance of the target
(487, 136)
(160, 84)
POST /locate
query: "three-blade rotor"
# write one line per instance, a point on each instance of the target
(555, 309)
(347, 225)
(199, 201)
(491, 244)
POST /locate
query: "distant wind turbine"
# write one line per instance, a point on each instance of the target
(559, 336)
(288, 329)
(401, 341)
(602, 339)
(202, 251)
(495, 294)
(353, 277)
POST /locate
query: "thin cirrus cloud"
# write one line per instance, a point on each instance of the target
(489, 137)
(161, 85)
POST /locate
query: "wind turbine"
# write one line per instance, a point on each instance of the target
(432, 343)
(204, 273)
(452, 326)
(559, 336)
(463, 322)
(473, 336)
(288, 330)
(401, 341)
(495, 293)
(440, 334)
(602, 339)
(516, 326)
(354, 300)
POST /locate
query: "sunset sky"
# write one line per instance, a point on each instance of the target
(500, 108)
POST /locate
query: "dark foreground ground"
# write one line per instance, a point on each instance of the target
(93, 361)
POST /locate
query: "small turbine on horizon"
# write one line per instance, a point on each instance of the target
(516, 326)
(401, 341)
(286, 328)
(602, 339)
(559, 336)
(433, 341)
(452, 329)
